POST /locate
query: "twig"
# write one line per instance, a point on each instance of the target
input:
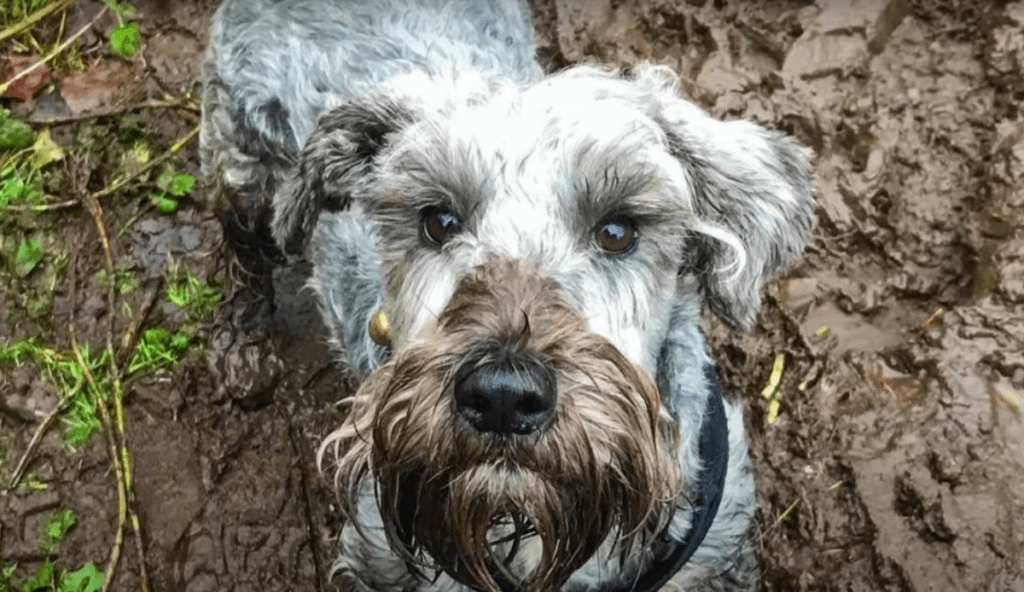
(30, 21)
(150, 104)
(52, 54)
(36, 437)
(131, 335)
(63, 205)
(115, 459)
(116, 451)
(115, 430)
(174, 149)
(785, 513)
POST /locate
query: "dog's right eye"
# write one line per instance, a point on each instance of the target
(616, 234)
(440, 224)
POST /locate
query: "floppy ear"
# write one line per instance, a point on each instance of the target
(337, 159)
(751, 194)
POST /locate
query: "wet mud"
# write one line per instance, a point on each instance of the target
(896, 462)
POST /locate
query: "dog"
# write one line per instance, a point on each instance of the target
(513, 265)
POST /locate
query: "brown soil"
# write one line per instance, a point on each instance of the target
(897, 461)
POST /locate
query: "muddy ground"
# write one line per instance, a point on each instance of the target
(897, 459)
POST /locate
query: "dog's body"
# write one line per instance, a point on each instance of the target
(545, 414)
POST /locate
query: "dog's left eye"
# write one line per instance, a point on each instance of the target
(616, 234)
(440, 224)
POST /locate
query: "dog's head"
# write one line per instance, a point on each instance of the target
(533, 244)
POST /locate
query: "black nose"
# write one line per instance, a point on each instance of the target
(506, 397)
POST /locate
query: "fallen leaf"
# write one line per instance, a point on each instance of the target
(30, 251)
(102, 85)
(23, 88)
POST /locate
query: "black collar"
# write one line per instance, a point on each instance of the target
(709, 484)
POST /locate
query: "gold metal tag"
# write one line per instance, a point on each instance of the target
(380, 327)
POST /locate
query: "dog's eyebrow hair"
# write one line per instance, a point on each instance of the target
(604, 187)
(440, 182)
(610, 187)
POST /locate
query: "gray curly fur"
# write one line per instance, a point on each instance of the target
(344, 246)
(325, 109)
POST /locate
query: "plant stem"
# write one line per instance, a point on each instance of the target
(115, 459)
(174, 149)
(38, 435)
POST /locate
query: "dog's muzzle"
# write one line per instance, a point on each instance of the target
(508, 441)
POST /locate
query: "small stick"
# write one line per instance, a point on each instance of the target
(785, 513)
(131, 335)
(63, 205)
(36, 437)
(115, 459)
(115, 430)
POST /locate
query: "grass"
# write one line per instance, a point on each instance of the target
(190, 293)
(124, 278)
(91, 383)
(58, 525)
(157, 348)
(61, 369)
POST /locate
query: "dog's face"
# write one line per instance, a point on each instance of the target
(533, 242)
(585, 191)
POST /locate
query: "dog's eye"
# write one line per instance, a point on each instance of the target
(616, 234)
(440, 224)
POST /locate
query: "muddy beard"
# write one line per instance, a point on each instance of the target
(503, 512)
(501, 529)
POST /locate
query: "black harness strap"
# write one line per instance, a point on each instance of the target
(710, 482)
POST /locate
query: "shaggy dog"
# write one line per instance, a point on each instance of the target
(513, 265)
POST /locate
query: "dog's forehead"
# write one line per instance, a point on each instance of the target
(533, 173)
(542, 146)
(557, 113)
(548, 155)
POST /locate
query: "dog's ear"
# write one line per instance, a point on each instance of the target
(337, 158)
(751, 194)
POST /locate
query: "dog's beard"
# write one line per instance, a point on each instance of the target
(518, 512)
(499, 528)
